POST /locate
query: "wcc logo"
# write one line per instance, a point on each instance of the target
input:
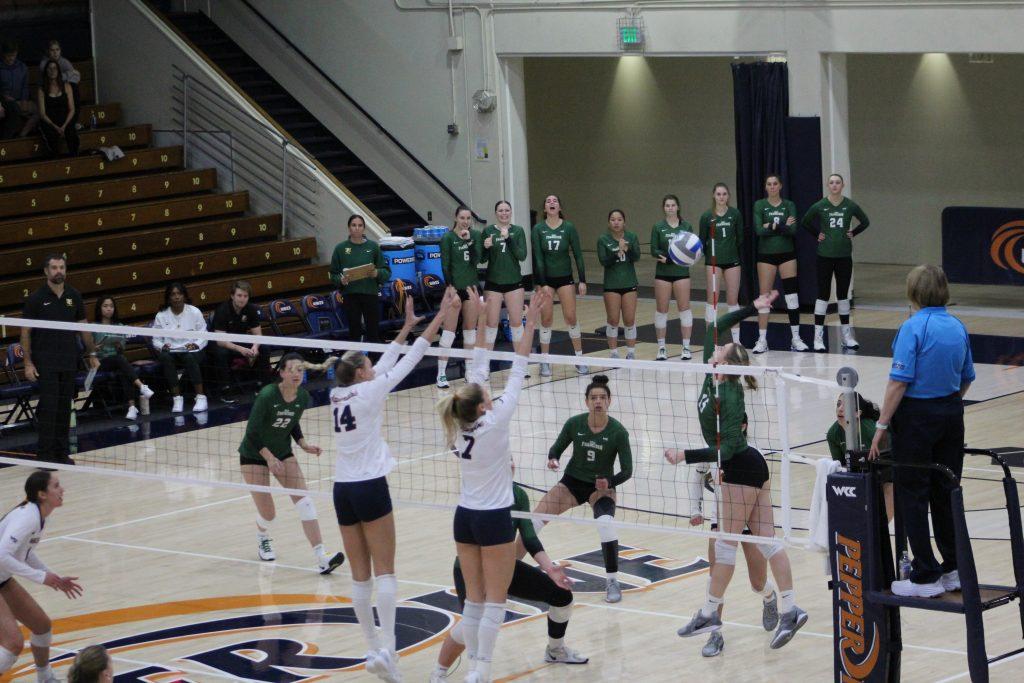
(292, 638)
(1007, 250)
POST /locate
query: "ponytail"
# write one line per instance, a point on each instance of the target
(737, 355)
(459, 409)
(347, 366)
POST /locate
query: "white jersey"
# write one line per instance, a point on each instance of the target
(20, 532)
(357, 412)
(485, 456)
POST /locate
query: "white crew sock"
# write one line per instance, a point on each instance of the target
(387, 589)
(787, 601)
(362, 592)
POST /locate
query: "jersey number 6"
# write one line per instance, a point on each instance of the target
(344, 418)
(466, 454)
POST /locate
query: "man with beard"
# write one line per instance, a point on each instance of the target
(51, 357)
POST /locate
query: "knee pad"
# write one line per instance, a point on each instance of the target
(545, 335)
(7, 659)
(793, 302)
(468, 338)
(660, 320)
(790, 285)
(844, 306)
(764, 311)
(604, 506)
(611, 331)
(306, 509)
(560, 614)
(709, 313)
(456, 634)
(725, 552)
(820, 307)
(490, 334)
(630, 333)
(517, 333)
(605, 530)
(41, 639)
(686, 318)
(447, 339)
(263, 523)
(574, 331)
(768, 550)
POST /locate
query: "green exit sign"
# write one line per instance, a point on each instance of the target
(630, 35)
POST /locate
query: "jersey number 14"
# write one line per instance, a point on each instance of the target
(345, 419)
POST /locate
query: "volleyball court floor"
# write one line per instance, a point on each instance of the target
(174, 587)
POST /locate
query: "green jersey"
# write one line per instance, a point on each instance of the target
(594, 453)
(459, 258)
(661, 236)
(836, 438)
(348, 254)
(551, 252)
(619, 271)
(773, 235)
(505, 254)
(108, 344)
(721, 420)
(825, 218)
(728, 236)
(272, 422)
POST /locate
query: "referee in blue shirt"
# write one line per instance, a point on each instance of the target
(931, 371)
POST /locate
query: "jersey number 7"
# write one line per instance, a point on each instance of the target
(345, 418)
(466, 454)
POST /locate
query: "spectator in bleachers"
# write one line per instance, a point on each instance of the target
(238, 316)
(178, 313)
(56, 106)
(110, 349)
(68, 73)
(361, 296)
(51, 357)
(18, 116)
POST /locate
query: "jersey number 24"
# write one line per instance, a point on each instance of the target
(345, 419)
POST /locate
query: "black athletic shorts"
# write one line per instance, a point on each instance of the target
(361, 501)
(556, 282)
(7, 581)
(746, 530)
(671, 278)
(776, 259)
(502, 289)
(484, 527)
(528, 583)
(580, 490)
(463, 294)
(746, 468)
(620, 290)
(726, 266)
(259, 460)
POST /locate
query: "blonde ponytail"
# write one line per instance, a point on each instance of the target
(347, 366)
(459, 409)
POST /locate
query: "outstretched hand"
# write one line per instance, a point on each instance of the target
(675, 455)
(765, 300)
(557, 574)
(411, 319)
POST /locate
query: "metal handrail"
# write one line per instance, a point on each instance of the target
(360, 108)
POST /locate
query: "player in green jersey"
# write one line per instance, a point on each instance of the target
(553, 240)
(504, 247)
(721, 232)
(831, 222)
(617, 250)
(867, 413)
(670, 279)
(266, 449)
(460, 254)
(744, 493)
(775, 226)
(598, 440)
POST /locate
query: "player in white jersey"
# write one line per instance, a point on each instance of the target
(362, 500)
(477, 430)
(20, 531)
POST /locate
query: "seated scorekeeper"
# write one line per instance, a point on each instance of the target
(238, 316)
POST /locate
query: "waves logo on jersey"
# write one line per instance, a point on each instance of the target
(1007, 250)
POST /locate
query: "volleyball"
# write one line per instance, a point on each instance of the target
(685, 248)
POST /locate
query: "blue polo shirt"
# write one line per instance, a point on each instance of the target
(932, 354)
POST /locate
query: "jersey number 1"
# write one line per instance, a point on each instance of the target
(344, 418)
(466, 454)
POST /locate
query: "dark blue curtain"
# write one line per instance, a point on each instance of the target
(803, 143)
(761, 106)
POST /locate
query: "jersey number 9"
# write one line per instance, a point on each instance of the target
(344, 418)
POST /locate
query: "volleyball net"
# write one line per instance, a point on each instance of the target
(657, 402)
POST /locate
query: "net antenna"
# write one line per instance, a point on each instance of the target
(847, 379)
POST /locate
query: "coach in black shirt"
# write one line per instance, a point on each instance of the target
(51, 357)
(238, 316)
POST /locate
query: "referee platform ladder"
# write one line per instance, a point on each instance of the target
(878, 569)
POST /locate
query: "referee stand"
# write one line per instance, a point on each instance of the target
(866, 614)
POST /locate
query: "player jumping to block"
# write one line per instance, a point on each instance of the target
(597, 441)
(266, 449)
(746, 498)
